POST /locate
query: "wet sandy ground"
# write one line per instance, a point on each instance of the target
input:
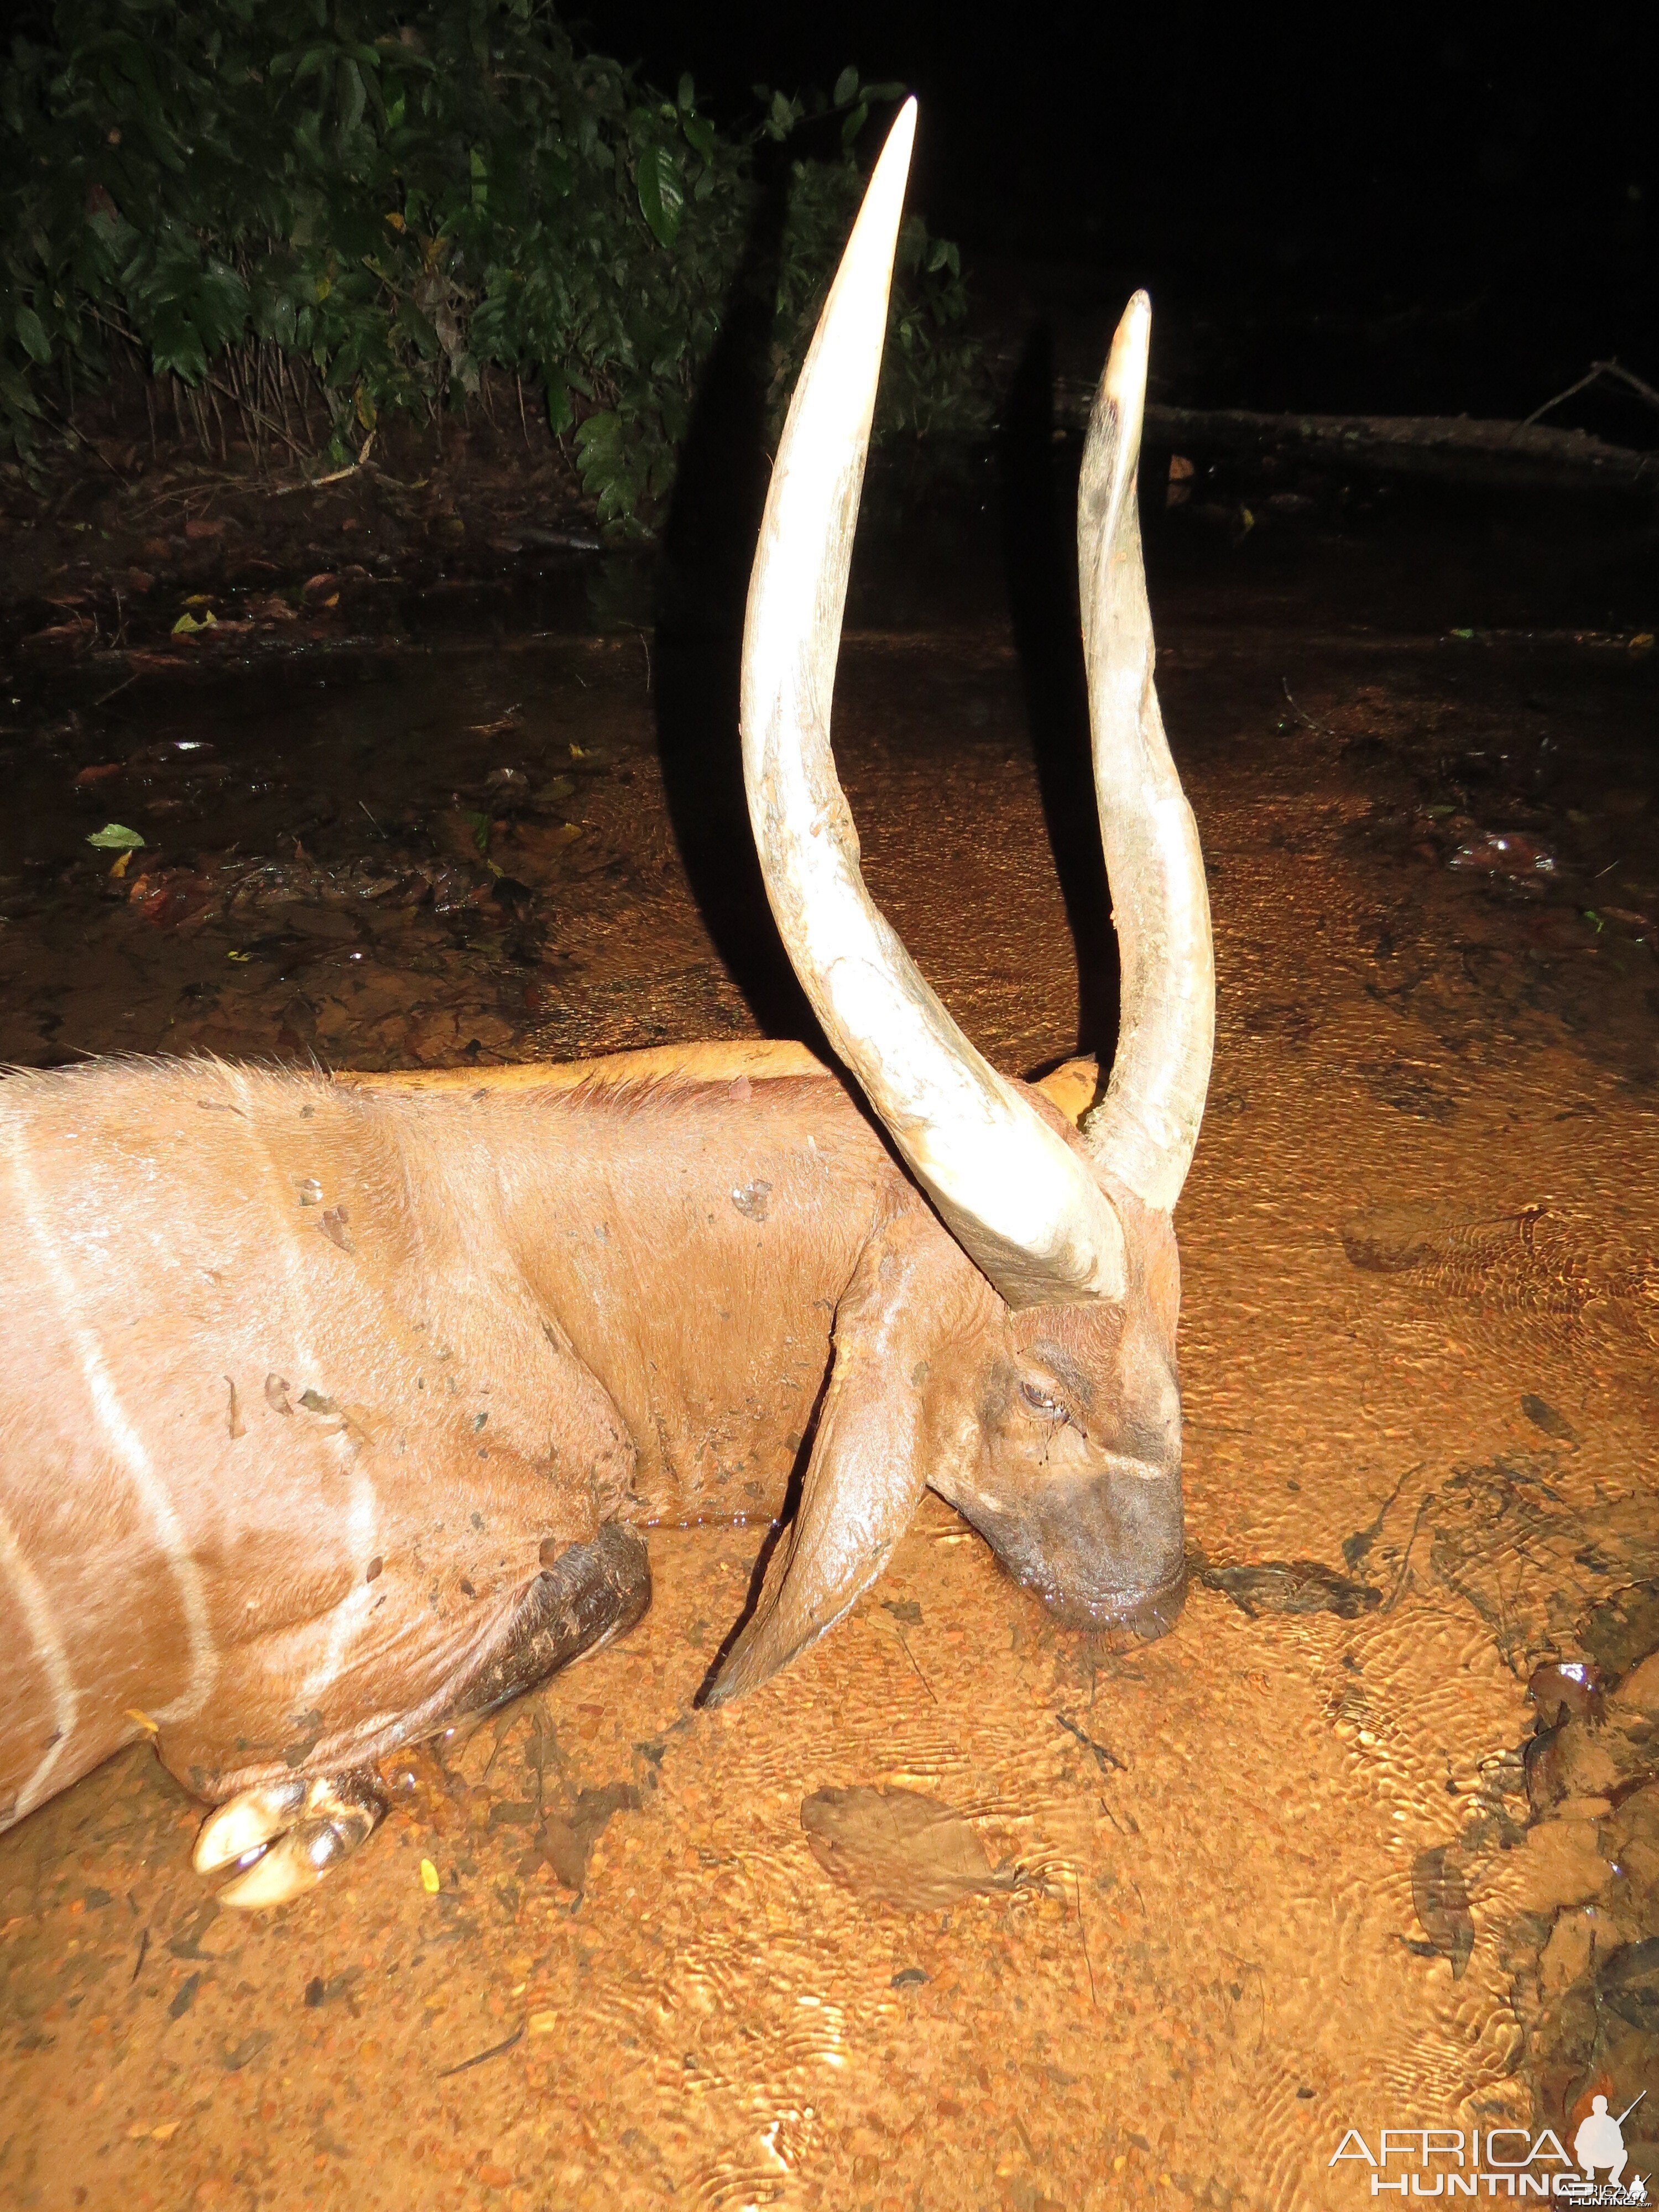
(1313, 1862)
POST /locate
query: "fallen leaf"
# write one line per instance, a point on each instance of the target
(1504, 853)
(76, 631)
(897, 1845)
(1443, 1906)
(1567, 1689)
(116, 837)
(1291, 1586)
(1543, 1415)
(1623, 1631)
(167, 896)
(566, 1840)
(430, 1881)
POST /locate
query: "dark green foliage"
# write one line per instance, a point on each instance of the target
(368, 205)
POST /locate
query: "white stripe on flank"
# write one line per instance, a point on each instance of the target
(126, 1442)
(355, 1608)
(49, 1650)
(363, 1517)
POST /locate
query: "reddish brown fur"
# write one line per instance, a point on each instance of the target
(380, 1353)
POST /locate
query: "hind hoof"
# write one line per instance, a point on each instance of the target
(287, 1835)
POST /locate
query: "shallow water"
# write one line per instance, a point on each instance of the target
(1190, 1909)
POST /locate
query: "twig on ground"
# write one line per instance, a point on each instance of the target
(1594, 374)
(337, 475)
(1301, 715)
(496, 2050)
(1083, 1930)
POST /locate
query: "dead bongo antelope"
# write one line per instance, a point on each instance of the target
(331, 1411)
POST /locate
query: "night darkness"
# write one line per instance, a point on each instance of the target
(1402, 209)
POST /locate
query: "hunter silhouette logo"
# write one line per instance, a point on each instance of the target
(1600, 2142)
(1510, 2162)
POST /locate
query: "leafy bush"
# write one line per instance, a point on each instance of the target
(355, 206)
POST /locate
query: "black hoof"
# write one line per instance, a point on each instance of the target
(591, 1593)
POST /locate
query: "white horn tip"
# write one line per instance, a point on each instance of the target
(889, 177)
(1126, 370)
(855, 319)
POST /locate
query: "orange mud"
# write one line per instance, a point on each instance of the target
(1277, 1876)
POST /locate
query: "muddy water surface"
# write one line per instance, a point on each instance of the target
(963, 1910)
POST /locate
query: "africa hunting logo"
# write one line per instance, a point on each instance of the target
(1506, 2162)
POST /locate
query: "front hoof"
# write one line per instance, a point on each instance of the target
(287, 1835)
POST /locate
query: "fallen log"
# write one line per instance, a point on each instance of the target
(1455, 448)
